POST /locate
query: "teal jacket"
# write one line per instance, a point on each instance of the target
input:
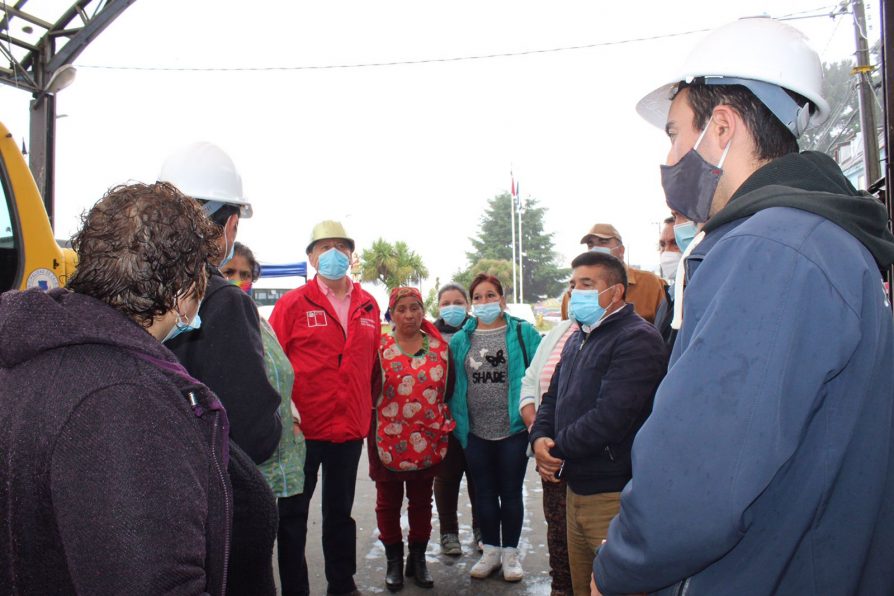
(459, 347)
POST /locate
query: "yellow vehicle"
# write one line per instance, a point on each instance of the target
(29, 255)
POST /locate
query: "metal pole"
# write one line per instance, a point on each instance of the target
(512, 225)
(887, 21)
(863, 71)
(42, 152)
(521, 256)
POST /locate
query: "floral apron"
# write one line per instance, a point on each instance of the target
(413, 423)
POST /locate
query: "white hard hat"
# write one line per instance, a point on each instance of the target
(205, 172)
(761, 54)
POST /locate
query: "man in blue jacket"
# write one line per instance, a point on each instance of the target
(600, 394)
(767, 465)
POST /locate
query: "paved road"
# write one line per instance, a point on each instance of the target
(451, 574)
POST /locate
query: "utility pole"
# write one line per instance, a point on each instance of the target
(887, 29)
(863, 70)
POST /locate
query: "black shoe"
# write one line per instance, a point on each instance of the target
(394, 575)
(416, 567)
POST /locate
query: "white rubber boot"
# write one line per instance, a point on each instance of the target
(488, 563)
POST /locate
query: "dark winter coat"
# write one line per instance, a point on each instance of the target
(227, 354)
(599, 396)
(113, 459)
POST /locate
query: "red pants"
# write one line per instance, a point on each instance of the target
(390, 498)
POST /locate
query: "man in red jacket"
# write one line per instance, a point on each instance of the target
(329, 328)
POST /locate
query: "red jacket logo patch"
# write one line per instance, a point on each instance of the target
(316, 318)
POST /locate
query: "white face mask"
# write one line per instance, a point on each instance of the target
(669, 261)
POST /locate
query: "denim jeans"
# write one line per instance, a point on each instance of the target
(498, 471)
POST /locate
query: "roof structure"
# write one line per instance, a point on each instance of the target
(38, 37)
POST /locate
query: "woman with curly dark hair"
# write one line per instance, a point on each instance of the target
(114, 476)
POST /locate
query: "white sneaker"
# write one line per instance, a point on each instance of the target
(512, 569)
(488, 563)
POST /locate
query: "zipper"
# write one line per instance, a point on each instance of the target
(682, 587)
(608, 451)
(223, 484)
(579, 349)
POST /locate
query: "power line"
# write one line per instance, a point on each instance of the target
(421, 60)
(399, 62)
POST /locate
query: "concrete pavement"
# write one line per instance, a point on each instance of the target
(450, 574)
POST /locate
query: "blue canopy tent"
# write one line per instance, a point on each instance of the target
(285, 270)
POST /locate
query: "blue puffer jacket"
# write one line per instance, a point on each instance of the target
(767, 465)
(599, 396)
(459, 349)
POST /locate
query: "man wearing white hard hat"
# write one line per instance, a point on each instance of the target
(330, 329)
(767, 464)
(226, 353)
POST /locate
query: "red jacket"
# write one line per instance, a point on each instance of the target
(333, 375)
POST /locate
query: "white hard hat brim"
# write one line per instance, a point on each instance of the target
(654, 106)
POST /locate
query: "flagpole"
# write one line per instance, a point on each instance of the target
(521, 253)
(512, 225)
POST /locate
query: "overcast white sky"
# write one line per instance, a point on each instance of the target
(407, 152)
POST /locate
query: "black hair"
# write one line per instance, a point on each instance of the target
(453, 287)
(245, 252)
(669, 220)
(615, 271)
(221, 216)
(771, 138)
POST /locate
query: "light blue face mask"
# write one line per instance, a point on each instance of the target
(453, 314)
(230, 254)
(181, 327)
(333, 264)
(602, 249)
(684, 233)
(487, 313)
(584, 306)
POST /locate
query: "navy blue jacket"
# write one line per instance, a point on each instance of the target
(767, 465)
(599, 396)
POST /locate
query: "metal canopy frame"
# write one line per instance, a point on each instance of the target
(36, 43)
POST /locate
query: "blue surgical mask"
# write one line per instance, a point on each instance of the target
(453, 314)
(684, 233)
(487, 313)
(333, 264)
(690, 183)
(585, 307)
(602, 249)
(230, 254)
(181, 327)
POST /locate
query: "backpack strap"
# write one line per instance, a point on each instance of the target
(521, 342)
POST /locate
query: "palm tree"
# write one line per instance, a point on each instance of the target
(391, 265)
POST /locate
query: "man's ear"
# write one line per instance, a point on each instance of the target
(232, 225)
(725, 120)
(619, 293)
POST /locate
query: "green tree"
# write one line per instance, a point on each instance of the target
(542, 275)
(431, 300)
(499, 268)
(391, 265)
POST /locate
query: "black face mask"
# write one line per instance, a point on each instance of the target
(690, 183)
